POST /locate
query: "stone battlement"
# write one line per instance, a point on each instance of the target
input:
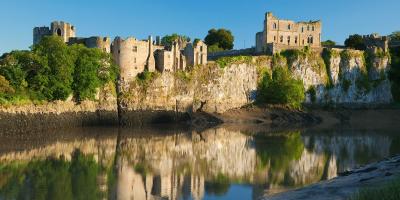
(374, 41)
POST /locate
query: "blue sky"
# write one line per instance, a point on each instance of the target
(140, 18)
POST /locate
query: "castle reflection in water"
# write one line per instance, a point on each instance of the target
(179, 164)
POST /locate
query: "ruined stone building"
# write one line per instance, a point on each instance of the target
(132, 55)
(374, 42)
(62, 29)
(196, 53)
(68, 32)
(281, 34)
(102, 43)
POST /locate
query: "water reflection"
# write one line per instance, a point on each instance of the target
(179, 164)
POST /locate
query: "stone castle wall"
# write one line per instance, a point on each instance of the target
(102, 43)
(131, 55)
(289, 33)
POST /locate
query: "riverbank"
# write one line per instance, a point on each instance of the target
(273, 118)
(348, 183)
(313, 118)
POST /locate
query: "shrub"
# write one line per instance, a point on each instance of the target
(363, 83)
(225, 61)
(390, 191)
(280, 88)
(328, 43)
(183, 75)
(214, 48)
(145, 78)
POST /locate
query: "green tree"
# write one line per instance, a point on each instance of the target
(219, 39)
(395, 35)
(14, 73)
(355, 42)
(214, 48)
(87, 66)
(328, 43)
(280, 88)
(54, 79)
(84, 171)
(53, 71)
(5, 87)
(169, 39)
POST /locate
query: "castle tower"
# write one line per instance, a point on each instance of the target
(151, 62)
(132, 56)
(39, 33)
(63, 29)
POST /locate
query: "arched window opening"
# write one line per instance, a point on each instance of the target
(289, 27)
(313, 28)
(295, 40)
(308, 28)
(281, 39)
(59, 33)
(288, 40)
(274, 26)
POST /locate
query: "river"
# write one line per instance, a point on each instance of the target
(179, 163)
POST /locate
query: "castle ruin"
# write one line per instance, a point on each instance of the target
(68, 33)
(62, 29)
(133, 56)
(374, 42)
(281, 34)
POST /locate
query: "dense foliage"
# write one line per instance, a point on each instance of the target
(355, 42)
(229, 60)
(328, 43)
(169, 39)
(395, 35)
(54, 71)
(218, 40)
(389, 191)
(280, 88)
(52, 179)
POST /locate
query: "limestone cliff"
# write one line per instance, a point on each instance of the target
(332, 77)
(207, 88)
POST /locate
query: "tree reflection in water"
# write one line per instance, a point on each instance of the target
(186, 165)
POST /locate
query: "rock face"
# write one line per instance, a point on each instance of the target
(336, 76)
(207, 88)
(102, 111)
(354, 80)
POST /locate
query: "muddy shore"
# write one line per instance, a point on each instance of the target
(345, 185)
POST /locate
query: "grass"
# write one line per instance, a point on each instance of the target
(226, 61)
(390, 191)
